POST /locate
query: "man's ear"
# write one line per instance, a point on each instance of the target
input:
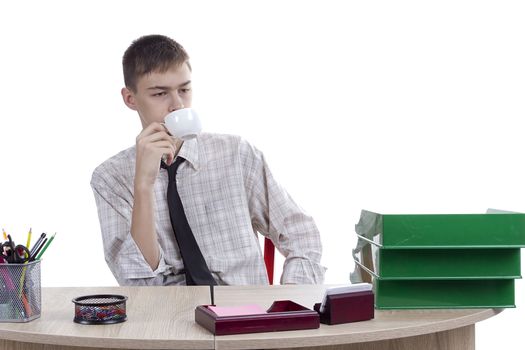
(129, 98)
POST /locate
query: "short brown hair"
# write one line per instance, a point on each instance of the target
(151, 53)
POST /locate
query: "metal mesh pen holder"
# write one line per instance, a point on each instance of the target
(100, 309)
(20, 292)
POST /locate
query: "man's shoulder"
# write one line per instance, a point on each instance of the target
(224, 142)
(214, 138)
(224, 147)
(119, 164)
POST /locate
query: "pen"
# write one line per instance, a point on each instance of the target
(39, 240)
(37, 250)
(27, 306)
(45, 247)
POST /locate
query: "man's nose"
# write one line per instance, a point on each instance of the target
(176, 102)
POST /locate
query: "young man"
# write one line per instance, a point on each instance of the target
(225, 186)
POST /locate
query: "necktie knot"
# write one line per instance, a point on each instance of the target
(172, 169)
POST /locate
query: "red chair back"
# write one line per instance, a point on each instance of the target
(269, 257)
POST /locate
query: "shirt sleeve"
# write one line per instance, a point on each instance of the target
(122, 255)
(275, 215)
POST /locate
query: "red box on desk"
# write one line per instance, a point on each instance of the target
(283, 315)
(347, 307)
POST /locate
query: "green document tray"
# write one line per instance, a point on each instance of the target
(449, 294)
(455, 263)
(443, 230)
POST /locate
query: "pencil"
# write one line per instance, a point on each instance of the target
(23, 276)
(29, 238)
(22, 280)
(45, 247)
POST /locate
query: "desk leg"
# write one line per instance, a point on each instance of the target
(455, 339)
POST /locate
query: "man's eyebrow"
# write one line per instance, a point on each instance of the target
(159, 87)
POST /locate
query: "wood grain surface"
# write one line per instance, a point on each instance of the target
(158, 318)
(387, 324)
(163, 318)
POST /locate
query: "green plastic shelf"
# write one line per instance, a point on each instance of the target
(443, 230)
(441, 294)
(455, 263)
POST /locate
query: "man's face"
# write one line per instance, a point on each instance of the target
(160, 93)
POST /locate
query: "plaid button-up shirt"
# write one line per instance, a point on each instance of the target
(228, 195)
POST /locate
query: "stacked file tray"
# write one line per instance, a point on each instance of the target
(440, 260)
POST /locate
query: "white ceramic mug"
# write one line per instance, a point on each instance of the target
(183, 123)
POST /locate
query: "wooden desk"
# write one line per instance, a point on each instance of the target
(163, 318)
(158, 318)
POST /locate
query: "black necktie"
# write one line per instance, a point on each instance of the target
(197, 272)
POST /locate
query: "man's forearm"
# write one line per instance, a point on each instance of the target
(143, 225)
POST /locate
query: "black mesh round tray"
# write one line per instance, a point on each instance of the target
(100, 309)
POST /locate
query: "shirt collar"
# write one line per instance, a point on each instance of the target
(190, 152)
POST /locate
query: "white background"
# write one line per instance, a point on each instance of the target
(391, 106)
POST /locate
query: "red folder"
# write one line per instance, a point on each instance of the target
(283, 315)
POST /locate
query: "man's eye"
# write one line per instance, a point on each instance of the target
(186, 90)
(160, 93)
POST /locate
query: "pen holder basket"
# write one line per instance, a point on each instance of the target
(100, 309)
(20, 292)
